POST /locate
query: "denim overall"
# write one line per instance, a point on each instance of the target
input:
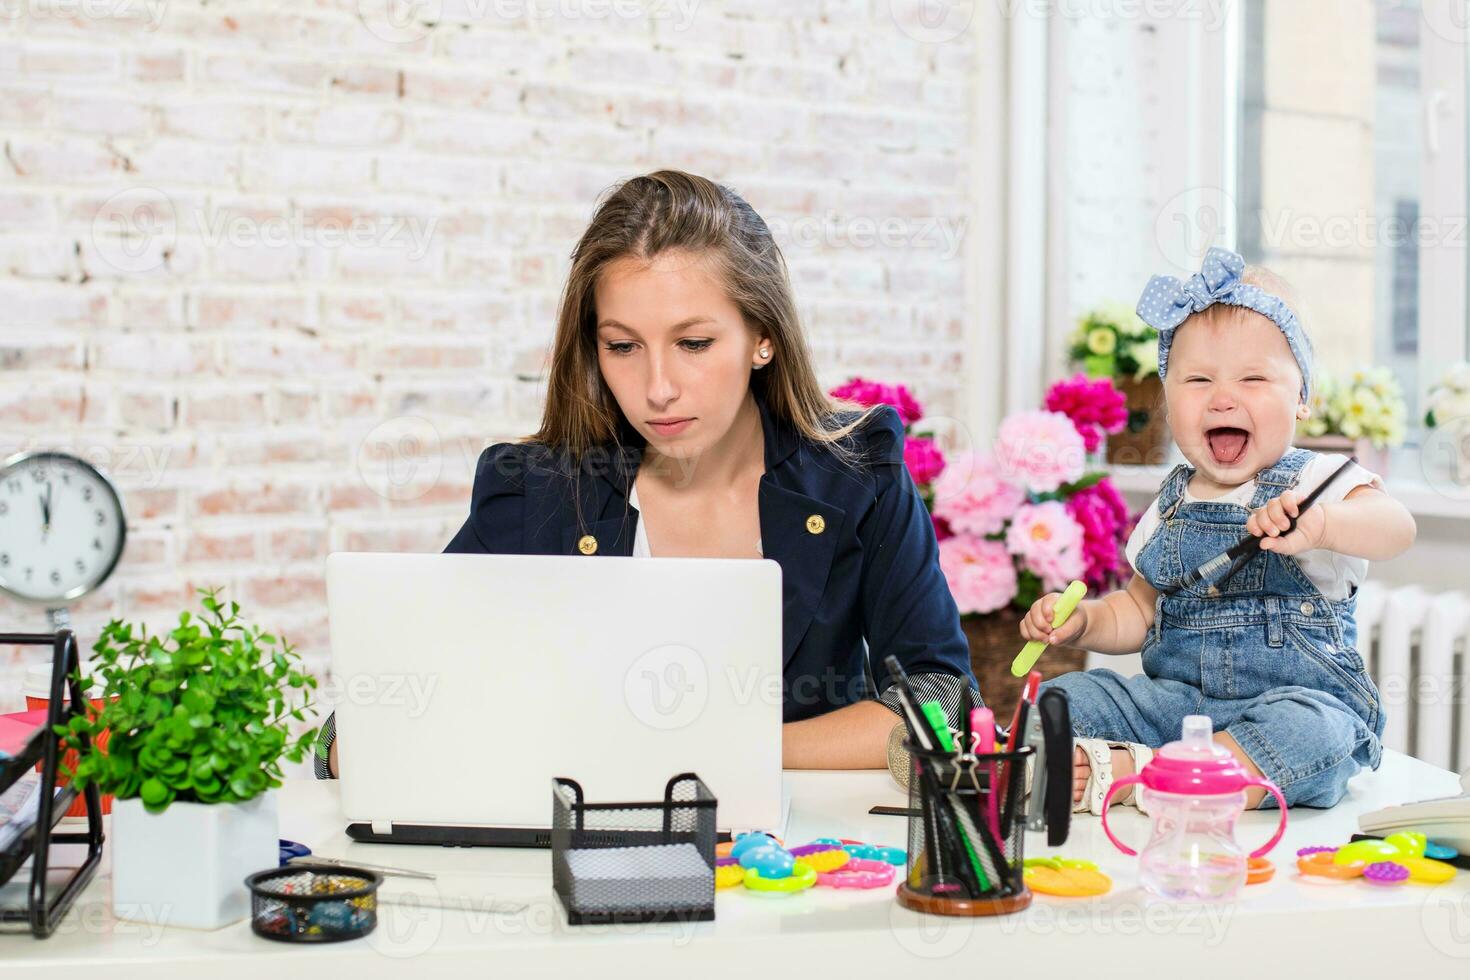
(1264, 654)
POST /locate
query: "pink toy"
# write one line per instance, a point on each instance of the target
(859, 873)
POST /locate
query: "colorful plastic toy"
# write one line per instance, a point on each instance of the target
(1440, 852)
(871, 852)
(771, 861)
(729, 875)
(1322, 864)
(1066, 882)
(745, 842)
(1302, 852)
(1410, 843)
(1386, 873)
(858, 873)
(799, 879)
(1426, 871)
(1258, 871)
(1367, 851)
(825, 859)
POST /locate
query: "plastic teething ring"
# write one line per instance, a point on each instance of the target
(1302, 852)
(858, 873)
(1321, 865)
(801, 878)
(729, 875)
(1259, 870)
(1386, 873)
(823, 862)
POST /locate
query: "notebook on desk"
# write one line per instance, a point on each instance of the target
(463, 684)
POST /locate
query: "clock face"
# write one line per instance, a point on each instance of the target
(61, 528)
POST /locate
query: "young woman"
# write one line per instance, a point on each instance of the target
(683, 418)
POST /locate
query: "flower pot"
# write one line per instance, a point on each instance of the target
(1145, 440)
(995, 639)
(1369, 456)
(187, 865)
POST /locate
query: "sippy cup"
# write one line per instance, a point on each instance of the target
(1194, 790)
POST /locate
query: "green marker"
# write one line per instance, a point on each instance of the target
(1031, 652)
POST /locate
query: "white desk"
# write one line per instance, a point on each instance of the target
(1285, 924)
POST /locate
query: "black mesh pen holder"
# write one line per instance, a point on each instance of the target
(634, 862)
(966, 840)
(302, 903)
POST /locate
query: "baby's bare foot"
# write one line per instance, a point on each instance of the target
(1081, 769)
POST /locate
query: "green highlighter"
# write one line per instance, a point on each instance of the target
(1031, 652)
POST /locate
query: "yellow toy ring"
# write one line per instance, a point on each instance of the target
(729, 875)
(802, 877)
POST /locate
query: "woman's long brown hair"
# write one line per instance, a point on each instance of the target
(645, 217)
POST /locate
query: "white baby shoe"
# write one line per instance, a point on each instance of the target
(1099, 754)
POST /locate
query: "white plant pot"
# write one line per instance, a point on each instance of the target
(187, 865)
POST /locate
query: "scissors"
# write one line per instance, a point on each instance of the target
(1248, 547)
(293, 852)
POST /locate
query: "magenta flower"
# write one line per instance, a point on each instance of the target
(923, 458)
(866, 393)
(1103, 516)
(972, 496)
(980, 573)
(1096, 408)
(1041, 450)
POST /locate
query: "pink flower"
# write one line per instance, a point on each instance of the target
(981, 574)
(973, 497)
(941, 527)
(866, 393)
(923, 458)
(1049, 542)
(1057, 571)
(1043, 529)
(1103, 517)
(1041, 450)
(1096, 408)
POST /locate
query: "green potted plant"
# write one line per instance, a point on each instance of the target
(1112, 342)
(1362, 415)
(199, 722)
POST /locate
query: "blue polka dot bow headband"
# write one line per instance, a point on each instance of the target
(1167, 302)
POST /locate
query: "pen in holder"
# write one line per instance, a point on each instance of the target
(965, 847)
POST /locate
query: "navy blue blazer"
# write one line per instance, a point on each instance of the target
(867, 571)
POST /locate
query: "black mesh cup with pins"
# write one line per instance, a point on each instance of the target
(635, 862)
(962, 786)
(301, 903)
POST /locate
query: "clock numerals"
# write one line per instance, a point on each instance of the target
(4, 508)
(96, 544)
(4, 560)
(30, 573)
(13, 485)
(81, 566)
(55, 577)
(101, 518)
(87, 494)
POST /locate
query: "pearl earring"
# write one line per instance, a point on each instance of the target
(765, 352)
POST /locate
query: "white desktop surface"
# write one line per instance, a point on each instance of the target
(1288, 926)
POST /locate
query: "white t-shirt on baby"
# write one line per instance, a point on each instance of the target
(1334, 574)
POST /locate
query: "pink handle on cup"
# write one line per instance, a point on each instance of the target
(1280, 827)
(1117, 785)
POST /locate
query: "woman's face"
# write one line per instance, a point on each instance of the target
(674, 349)
(1233, 393)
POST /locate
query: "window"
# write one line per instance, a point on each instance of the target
(1352, 173)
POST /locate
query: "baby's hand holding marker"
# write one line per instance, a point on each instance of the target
(1050, 621)
(1287, 529)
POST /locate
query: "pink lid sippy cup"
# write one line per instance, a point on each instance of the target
(1195, 791)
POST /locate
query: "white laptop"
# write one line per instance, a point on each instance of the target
(463, 684)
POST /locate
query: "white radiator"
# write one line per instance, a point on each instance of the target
(1415, 645)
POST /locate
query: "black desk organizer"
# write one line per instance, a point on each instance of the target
(685, 816)
(43, 910)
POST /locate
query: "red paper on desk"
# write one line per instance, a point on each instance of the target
(16, 729)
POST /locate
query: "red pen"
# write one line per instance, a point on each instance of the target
(1013, 738)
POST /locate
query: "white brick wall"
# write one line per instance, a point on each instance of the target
(178, 310)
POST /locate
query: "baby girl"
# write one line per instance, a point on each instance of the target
(1269, 652)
